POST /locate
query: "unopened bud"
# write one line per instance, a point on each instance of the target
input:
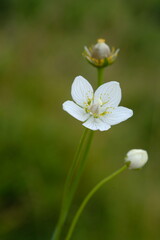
(136, 158)
(101, 50)
(100, 55)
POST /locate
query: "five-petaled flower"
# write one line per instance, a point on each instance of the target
(99, 110)
(100, 55)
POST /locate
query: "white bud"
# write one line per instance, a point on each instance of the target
(136, 158)
(101, 50)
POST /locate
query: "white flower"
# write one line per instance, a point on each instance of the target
(99, 110)
(136, 158)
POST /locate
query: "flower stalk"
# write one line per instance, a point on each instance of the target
(89, 196)
(64, 207)
(81, 166)
(100, 76)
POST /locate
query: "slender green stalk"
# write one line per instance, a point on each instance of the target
(100, 76)
(88, 197)
(70, 186)
(75, 161)
(81, 167)
(78, 176)
(67, 185)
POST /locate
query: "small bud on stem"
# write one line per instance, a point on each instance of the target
(136, 158)
(100, 54)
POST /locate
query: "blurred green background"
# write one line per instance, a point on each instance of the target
(41, 44)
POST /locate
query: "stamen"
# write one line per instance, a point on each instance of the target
(101, 40)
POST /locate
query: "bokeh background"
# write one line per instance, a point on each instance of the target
(41, 44)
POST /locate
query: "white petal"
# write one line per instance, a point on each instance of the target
(75, 111)
(81, 91)
(87, 51)
(109, 93)
(96, 124)
(118, 115)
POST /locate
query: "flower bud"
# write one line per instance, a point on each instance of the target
(101, 50)
(136, 158)
(100, 55)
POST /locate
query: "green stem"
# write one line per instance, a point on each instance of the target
(81, 167)
(75, 161)
(88, 197)
(62, 217)
(100, 76)
(78, 176)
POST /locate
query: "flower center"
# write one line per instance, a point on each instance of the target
(94, 109)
